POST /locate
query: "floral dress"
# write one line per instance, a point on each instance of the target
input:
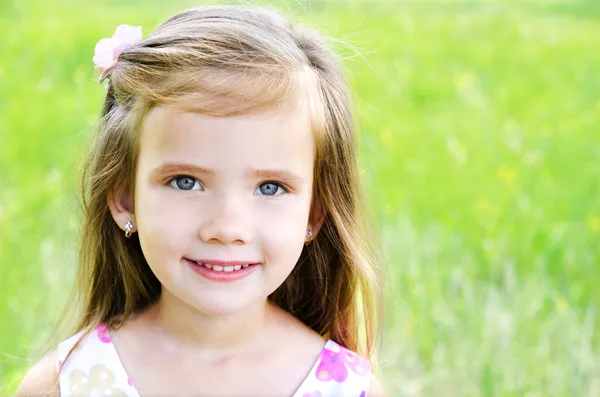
(94, 369)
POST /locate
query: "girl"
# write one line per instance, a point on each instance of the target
(223, 246)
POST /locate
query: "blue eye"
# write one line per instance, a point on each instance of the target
(184, 182)
(271, 189)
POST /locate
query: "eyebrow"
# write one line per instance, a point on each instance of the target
(183, 168)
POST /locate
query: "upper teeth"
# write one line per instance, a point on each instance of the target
(218, 268)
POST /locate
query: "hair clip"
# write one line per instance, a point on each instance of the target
(107, 50)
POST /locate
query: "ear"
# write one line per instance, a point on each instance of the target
(121, 206)
(317, 218)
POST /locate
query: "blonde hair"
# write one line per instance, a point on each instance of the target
(227, 60)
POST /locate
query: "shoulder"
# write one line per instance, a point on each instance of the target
(41, 379)
(376, 388)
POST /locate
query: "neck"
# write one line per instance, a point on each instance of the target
(189, 328)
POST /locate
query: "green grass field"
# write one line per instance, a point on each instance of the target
(481, 148)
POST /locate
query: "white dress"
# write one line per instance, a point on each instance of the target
(94, 369)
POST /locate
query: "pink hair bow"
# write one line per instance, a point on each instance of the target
(107, 50)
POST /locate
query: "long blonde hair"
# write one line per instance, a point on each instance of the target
(227, 60)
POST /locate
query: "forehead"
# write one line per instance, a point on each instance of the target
(274, 139)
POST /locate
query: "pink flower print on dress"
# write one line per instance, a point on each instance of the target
(103, 335)
(335, 361)
(331, 367)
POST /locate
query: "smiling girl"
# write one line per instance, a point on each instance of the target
(224, 248)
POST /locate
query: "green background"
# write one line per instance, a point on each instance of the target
(481, 148)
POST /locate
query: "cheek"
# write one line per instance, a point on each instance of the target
(164, 227)
(282, 232)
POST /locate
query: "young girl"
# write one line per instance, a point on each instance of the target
(224, 250)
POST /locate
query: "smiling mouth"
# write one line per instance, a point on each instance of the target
(222, 267)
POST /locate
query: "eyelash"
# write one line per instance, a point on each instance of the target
(172, 183)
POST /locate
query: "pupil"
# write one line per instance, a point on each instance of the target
(185, 183)
(268, 189)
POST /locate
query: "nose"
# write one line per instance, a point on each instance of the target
(226, 223)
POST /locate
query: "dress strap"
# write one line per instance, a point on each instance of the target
(337, 372)
(93, 367)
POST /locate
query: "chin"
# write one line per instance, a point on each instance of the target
(217, 304)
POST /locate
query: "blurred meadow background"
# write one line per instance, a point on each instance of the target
(480, 146)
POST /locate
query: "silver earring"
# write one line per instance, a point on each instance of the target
(308, 236)
(128, 229)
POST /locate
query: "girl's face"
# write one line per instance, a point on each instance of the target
(223, 189)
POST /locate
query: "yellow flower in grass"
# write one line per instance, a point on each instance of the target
(98, 383)
(593, 223)
(507, 174)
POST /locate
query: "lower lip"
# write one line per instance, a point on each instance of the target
(222, 276)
